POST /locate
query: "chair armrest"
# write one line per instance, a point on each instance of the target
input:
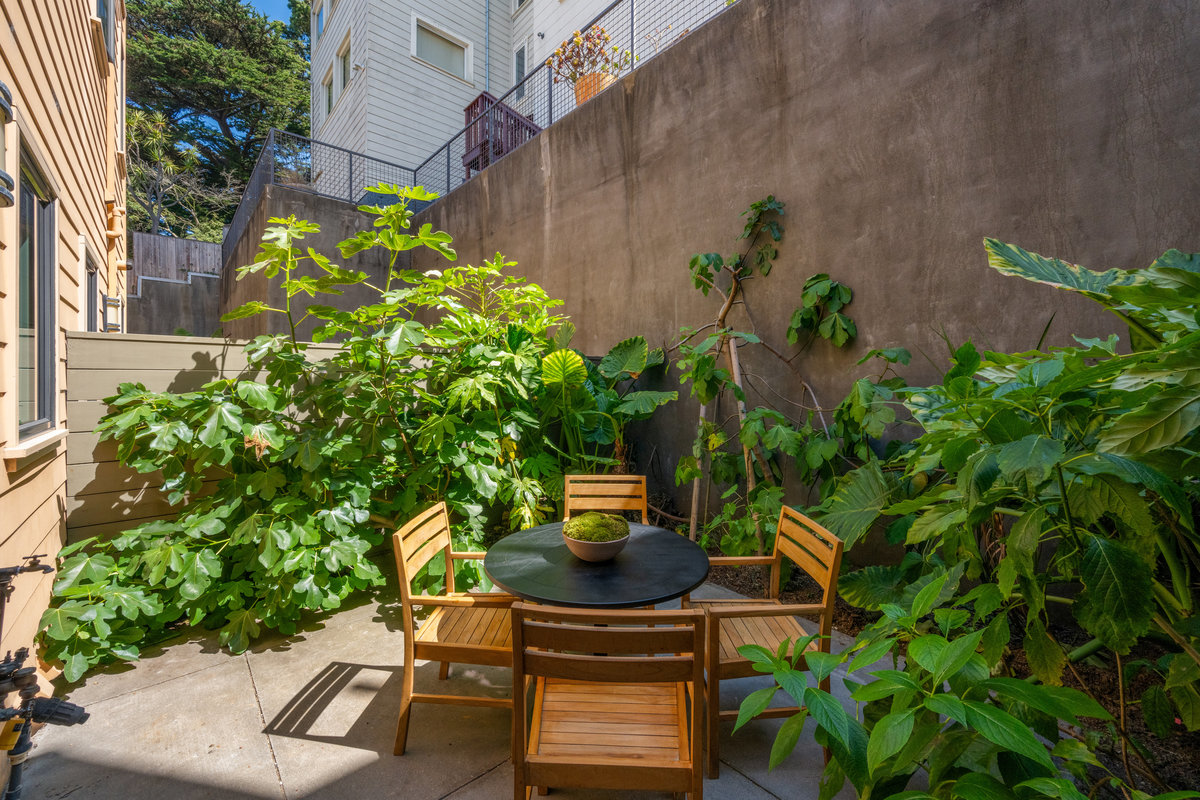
(454, 554)
(464, 600)
(735, 561)
(765, 610)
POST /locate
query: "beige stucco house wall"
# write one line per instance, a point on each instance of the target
(62, 251)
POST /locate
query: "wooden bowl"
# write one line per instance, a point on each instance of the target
(595, 551)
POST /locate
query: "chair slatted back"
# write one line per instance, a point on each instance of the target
(564, 643)
(416, 544)
(605, 493)
(812, 548)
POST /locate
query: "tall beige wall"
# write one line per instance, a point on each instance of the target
(899, 135)
(68, 101)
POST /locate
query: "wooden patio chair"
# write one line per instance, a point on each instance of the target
(605, 493)
(612, 699)
(767, 622)
(465, 628)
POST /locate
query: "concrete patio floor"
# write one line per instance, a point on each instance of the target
(313, 716)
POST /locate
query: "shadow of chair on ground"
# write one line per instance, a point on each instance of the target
(329, 709)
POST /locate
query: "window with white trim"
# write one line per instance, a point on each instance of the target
(327, 93)
(35, 304)
(441, 49)
(520, 60)
(318, 21)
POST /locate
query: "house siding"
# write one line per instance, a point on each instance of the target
(68, 109)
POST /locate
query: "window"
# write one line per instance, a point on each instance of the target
(327, 92)
(440, 49)
(35, 307)
(519, 70)
(6, 181)
(319, 24)
(92, 289)
(518, 5)
(104, 11)
(344, 64)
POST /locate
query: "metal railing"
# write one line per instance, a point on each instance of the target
(643, 27)
(307, 165)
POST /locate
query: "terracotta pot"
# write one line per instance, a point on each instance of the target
(595, 551)
(591, 85)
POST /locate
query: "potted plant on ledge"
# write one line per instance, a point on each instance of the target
(589, 62)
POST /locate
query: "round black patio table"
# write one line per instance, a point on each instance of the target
(656, 565)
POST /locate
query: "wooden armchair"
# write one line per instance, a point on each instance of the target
(605, 493)
(733, 623)
(463, 627)
(611, 705)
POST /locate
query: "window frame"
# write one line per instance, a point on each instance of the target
(7, 185)
(518, 77)
(106, 11)
(517, 5)
(91, 290)
(345, 66)
(36, 190)
(468, 48)
(318, 24)
(327, 92)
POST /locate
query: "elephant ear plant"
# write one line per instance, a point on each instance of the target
(1062, 480)
(286, 474)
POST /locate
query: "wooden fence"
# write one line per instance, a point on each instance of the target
(173, 258)
(104, 497)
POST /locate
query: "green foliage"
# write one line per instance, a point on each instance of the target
(1034, 471)
(751, 464)
(286, 475)
(593, 526)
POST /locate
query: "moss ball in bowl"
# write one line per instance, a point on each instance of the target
(594, 536)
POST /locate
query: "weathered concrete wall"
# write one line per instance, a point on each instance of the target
(899, 135)
(164, 306)
(338, 221)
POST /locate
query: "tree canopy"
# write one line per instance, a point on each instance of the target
(209, 78)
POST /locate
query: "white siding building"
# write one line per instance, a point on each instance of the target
(392, 79)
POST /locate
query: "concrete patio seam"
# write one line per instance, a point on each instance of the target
(725, 763)
(263, 717)
(480, 776)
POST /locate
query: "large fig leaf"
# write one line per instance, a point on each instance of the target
(856, 503)
(643, 403)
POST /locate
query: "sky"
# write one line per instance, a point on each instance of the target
(275, 9)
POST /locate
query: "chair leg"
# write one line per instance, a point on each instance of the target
(444, 671)
(713, 700)
(406, 692)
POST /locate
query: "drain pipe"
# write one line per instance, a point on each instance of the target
(487, 46)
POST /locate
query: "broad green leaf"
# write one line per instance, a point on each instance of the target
(1057, 788)
(1117, 601)
(83, 568)
(246, 310)
(956, 655)
(563, 369)
(935, 523)
(888, 737)
(627, 358)
(1187, 702)
(856, 503)
(1008, 259)
(1167, 418)
(787, 737)
(224, 420)
(928, 651)
(256, 395)
(240, 629)
(754, 704)
(1046, 659)
(1030, 458)
(642, 403)
(1157, 712)
(871, 587)
(1000, 727)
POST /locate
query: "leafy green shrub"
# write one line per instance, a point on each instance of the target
(287, 474)
(1061, 479)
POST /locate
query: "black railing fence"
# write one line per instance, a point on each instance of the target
(494, 126)
(307, 165)
(644, 28)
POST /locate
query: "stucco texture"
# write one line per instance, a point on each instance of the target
(899, 134)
